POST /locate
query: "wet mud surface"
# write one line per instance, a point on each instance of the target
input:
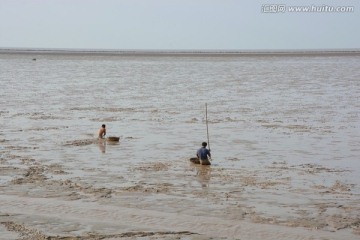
(285, 147)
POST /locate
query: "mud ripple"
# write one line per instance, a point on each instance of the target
(82, 142)
(30, 233)
(152, 167)
(32, 175)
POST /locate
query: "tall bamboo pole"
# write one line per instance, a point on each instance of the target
(207, 126)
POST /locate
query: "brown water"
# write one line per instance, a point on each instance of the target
(284, 134)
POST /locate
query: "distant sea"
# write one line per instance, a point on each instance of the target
(160, 52)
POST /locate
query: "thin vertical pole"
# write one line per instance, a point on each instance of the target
(207, 126)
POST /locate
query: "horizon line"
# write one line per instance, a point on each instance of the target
(96, 51)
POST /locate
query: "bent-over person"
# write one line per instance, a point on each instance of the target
(204, 154)
(102, 131)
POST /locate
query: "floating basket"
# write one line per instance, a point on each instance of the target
(113, 139)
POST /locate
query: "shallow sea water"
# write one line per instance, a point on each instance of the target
(284, 134)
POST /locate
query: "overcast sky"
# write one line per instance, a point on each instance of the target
(177, 24)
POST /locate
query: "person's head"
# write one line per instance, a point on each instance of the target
(103, 126)
(204, 144)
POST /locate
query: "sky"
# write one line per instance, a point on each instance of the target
(179, 24)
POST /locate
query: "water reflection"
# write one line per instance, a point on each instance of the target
(203, 175)
(102, 145)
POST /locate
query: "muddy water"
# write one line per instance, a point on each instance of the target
(284, 134)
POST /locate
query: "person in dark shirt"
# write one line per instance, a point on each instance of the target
(204, 154)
